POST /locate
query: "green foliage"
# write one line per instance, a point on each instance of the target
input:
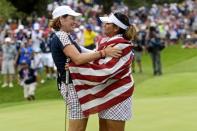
(7, 10)
(28, 7)
(41, 7)
(107, 5)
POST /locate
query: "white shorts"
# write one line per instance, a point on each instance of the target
(37, 61)
(29, 89)
(48, 60)
(121, 111)
(8, 67)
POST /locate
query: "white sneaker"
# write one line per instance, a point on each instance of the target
(4, 85)
(11, 85)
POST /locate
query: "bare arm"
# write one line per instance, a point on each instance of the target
(82, 58)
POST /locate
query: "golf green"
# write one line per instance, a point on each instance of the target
(150, 114)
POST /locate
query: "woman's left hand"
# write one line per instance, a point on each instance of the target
(66, 66)
(112, 51)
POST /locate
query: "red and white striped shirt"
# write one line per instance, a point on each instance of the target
(104, 82)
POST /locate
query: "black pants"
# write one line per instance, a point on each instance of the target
(156, 62)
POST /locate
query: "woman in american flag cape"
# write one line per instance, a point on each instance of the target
(64, 48)
(105, 86)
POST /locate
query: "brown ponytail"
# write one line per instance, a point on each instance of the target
(130, 33)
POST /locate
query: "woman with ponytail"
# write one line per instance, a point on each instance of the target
(117, 26)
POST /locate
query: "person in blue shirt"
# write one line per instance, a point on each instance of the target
(26, 52)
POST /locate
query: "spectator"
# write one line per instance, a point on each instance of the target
(37, 65)
(47, 57)
(37, 62)
(154, 47)
(138, 48)
(28, 81)
(89, 37)
(80, 35)
(26, 52)
(20, 35)
(36, 38)
(9, 54)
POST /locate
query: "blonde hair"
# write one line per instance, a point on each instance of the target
(130, 33)
(55, 24)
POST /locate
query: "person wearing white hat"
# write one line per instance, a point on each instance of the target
(36, 37)
(63, 49)
(9, 59)
(117, 26)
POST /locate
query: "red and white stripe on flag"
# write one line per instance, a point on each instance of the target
(105, 82)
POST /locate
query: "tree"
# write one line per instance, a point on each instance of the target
(30, 6)
(106, 5)
(7, 10)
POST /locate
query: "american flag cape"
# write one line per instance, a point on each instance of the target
(105, 82)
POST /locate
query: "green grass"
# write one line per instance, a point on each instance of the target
(150, 114)
(164, 103)
(177, 84)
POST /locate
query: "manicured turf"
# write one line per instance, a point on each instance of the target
(150, 114)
